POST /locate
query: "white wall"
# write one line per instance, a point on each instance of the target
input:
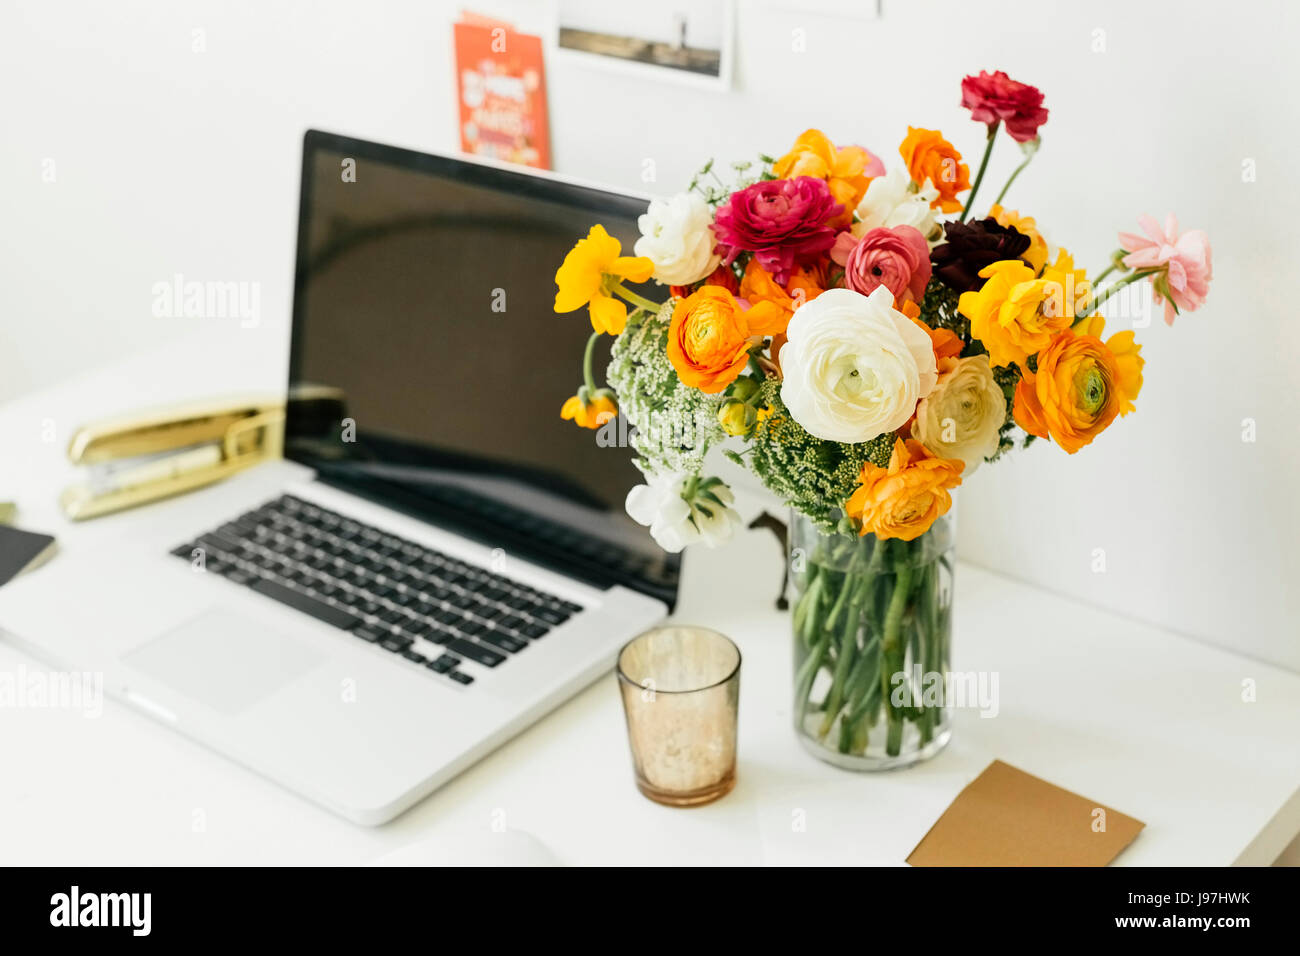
(171, 161)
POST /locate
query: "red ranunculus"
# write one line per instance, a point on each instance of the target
(782, 221)
(993, 97)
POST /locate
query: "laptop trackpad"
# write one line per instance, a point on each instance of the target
(223, 660)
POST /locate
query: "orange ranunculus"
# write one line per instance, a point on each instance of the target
(929, 156)
(589, 273)
(1036, 254)
(758, 285)
(903, 500)
(843, 170)
(710, 336)
(945, 342)
(591, 413)
(1081, 385)
(1015, 313)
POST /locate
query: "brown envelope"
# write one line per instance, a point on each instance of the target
(1005, 817)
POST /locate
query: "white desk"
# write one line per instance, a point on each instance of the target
(1139, 719)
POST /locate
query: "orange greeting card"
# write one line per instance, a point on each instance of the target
(501, 91)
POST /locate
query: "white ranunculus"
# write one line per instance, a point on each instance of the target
(675, 521)
(854, 366)
(676, 236)
(890, 202)
(716, 519)
(963, 413)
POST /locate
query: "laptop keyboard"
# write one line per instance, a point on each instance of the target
(427, 607)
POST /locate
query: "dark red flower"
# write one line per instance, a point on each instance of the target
(994, 97)
(969, 247)
(782, 221)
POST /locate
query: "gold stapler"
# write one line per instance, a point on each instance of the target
(144, 457)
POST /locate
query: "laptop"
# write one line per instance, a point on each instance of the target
(439, 559)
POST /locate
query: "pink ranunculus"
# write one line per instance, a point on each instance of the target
(875, 165)
(897, 258)
(782, 221)
(994, 97)
(1184, 258)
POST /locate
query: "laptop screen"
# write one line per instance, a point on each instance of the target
(428, 367)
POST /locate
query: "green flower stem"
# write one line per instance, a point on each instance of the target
(803, 610)
(640, 301)
(588, 379)
(979, 176)
(891, 651)
(1012, 178)
(913, 642)
(1114, 287)
(850, 580)
(1115, 263)
(807, 671)
(868, 609)
(843, 664)
(851, 597)
(926, 604)
(854, 727)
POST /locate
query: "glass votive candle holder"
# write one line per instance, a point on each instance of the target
(681, 691)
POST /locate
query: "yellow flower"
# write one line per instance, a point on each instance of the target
(1036, 254)
(1008, 314)
(1081, 385)
(588, 413)
(1069, 288)
(591, 271)
(843, 169)
(963, 414)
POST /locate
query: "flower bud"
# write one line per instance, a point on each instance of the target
(744, 387)
(736, 418)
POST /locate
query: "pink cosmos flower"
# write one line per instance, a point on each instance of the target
(782, 221)
(897, 258)
(1185, 259)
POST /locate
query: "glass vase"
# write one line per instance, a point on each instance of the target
(872, 623)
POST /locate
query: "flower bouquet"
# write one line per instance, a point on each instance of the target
(852, 336)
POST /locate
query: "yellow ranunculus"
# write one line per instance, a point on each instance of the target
(1081, 385)
(843, 169)
(963, 415)
(1007, 314)
(1036, 254)
(588, 412)
(1069, 289)
(589, 273)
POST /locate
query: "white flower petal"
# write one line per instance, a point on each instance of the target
(677, 237)
(642, 504)
(854, 366)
